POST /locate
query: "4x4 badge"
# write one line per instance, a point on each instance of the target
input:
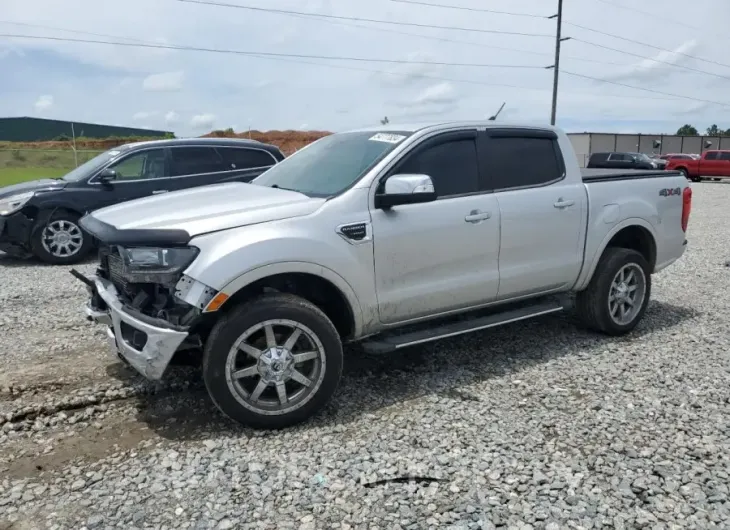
(668, 192)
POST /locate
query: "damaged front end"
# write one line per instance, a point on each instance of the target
(151, 309)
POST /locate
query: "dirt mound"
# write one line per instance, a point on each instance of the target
(288, 141)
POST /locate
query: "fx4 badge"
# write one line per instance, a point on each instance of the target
(668, 192)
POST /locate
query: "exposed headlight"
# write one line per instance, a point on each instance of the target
(150, 264)
(14, 203)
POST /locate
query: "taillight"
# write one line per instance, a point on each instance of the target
(686, 207)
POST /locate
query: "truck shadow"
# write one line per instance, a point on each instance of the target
(371, 383)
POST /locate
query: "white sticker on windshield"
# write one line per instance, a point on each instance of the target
(114, 153)
(387, 137)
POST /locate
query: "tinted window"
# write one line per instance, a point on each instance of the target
(147, 164)
(711, 156)
(725, 155)
(518, 162)
(598, 157)
(194, 160)
(242, 158)
(452, 166)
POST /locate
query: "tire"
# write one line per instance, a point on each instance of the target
(593, 304)
(77, 246)
(318, 344)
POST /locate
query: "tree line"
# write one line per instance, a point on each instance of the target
(712, 130)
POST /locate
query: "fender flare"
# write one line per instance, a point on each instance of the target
(304, 267)
(589, 269)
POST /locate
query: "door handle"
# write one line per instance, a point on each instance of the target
(158, 191)
(476, 216)
(563, 204)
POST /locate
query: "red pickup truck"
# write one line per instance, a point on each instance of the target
(712, 164)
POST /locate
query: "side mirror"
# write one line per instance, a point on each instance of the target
(107, 175)
(406, 189)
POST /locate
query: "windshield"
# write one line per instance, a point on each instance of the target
(331, 164)
(91, 166)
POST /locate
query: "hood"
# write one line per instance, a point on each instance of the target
(209, 208)
(31, 185)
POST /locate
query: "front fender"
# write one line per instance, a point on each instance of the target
(232, 259)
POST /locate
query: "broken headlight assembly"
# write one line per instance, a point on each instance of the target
(156, 265)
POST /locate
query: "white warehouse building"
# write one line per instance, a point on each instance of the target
(587, 143)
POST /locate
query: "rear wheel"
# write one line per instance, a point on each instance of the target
(58, 239)
(272, 362)
(617, 296)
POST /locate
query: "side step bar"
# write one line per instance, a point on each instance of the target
(389, 343)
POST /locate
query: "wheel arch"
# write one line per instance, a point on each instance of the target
(320, 285)
(635, 234)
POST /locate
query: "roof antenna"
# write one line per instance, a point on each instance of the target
(493, 118)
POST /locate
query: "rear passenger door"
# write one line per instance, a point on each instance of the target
(193, 166)
(541, 212)
(243, 164)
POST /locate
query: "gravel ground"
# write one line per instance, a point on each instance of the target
(534, 425)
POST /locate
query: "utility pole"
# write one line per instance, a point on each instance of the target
(556, 66)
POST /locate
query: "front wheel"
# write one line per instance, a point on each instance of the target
(617, 296)
(272, 362)
(58, 239)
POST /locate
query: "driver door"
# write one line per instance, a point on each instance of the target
(439, 256)
(137, 176)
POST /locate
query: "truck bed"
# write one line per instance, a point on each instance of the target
(606, 175)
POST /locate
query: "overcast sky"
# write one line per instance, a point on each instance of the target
(192, 92)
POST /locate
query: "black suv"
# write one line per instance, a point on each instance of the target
(41, 217)
(621, 161)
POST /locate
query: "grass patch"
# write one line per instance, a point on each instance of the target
(13, 175)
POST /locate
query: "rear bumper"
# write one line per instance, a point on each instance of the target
(15, 232)
(146, 347)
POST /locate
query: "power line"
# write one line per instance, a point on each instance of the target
(481, 10)
(360, 19)
(675, 65)
(286, 57)
(644, 44)
(462, 8)
(274, 54)
(655, 16)
(700, 100)
(346, 24)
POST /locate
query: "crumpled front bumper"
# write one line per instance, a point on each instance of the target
(161, 343)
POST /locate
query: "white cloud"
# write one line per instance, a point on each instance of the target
(203, 121)
(435, 94)
(281, 93)
(172, 118)
(164, 82)
(143, 115)
(43, 103)
(659, 65)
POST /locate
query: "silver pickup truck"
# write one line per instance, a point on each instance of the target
(391, 237)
